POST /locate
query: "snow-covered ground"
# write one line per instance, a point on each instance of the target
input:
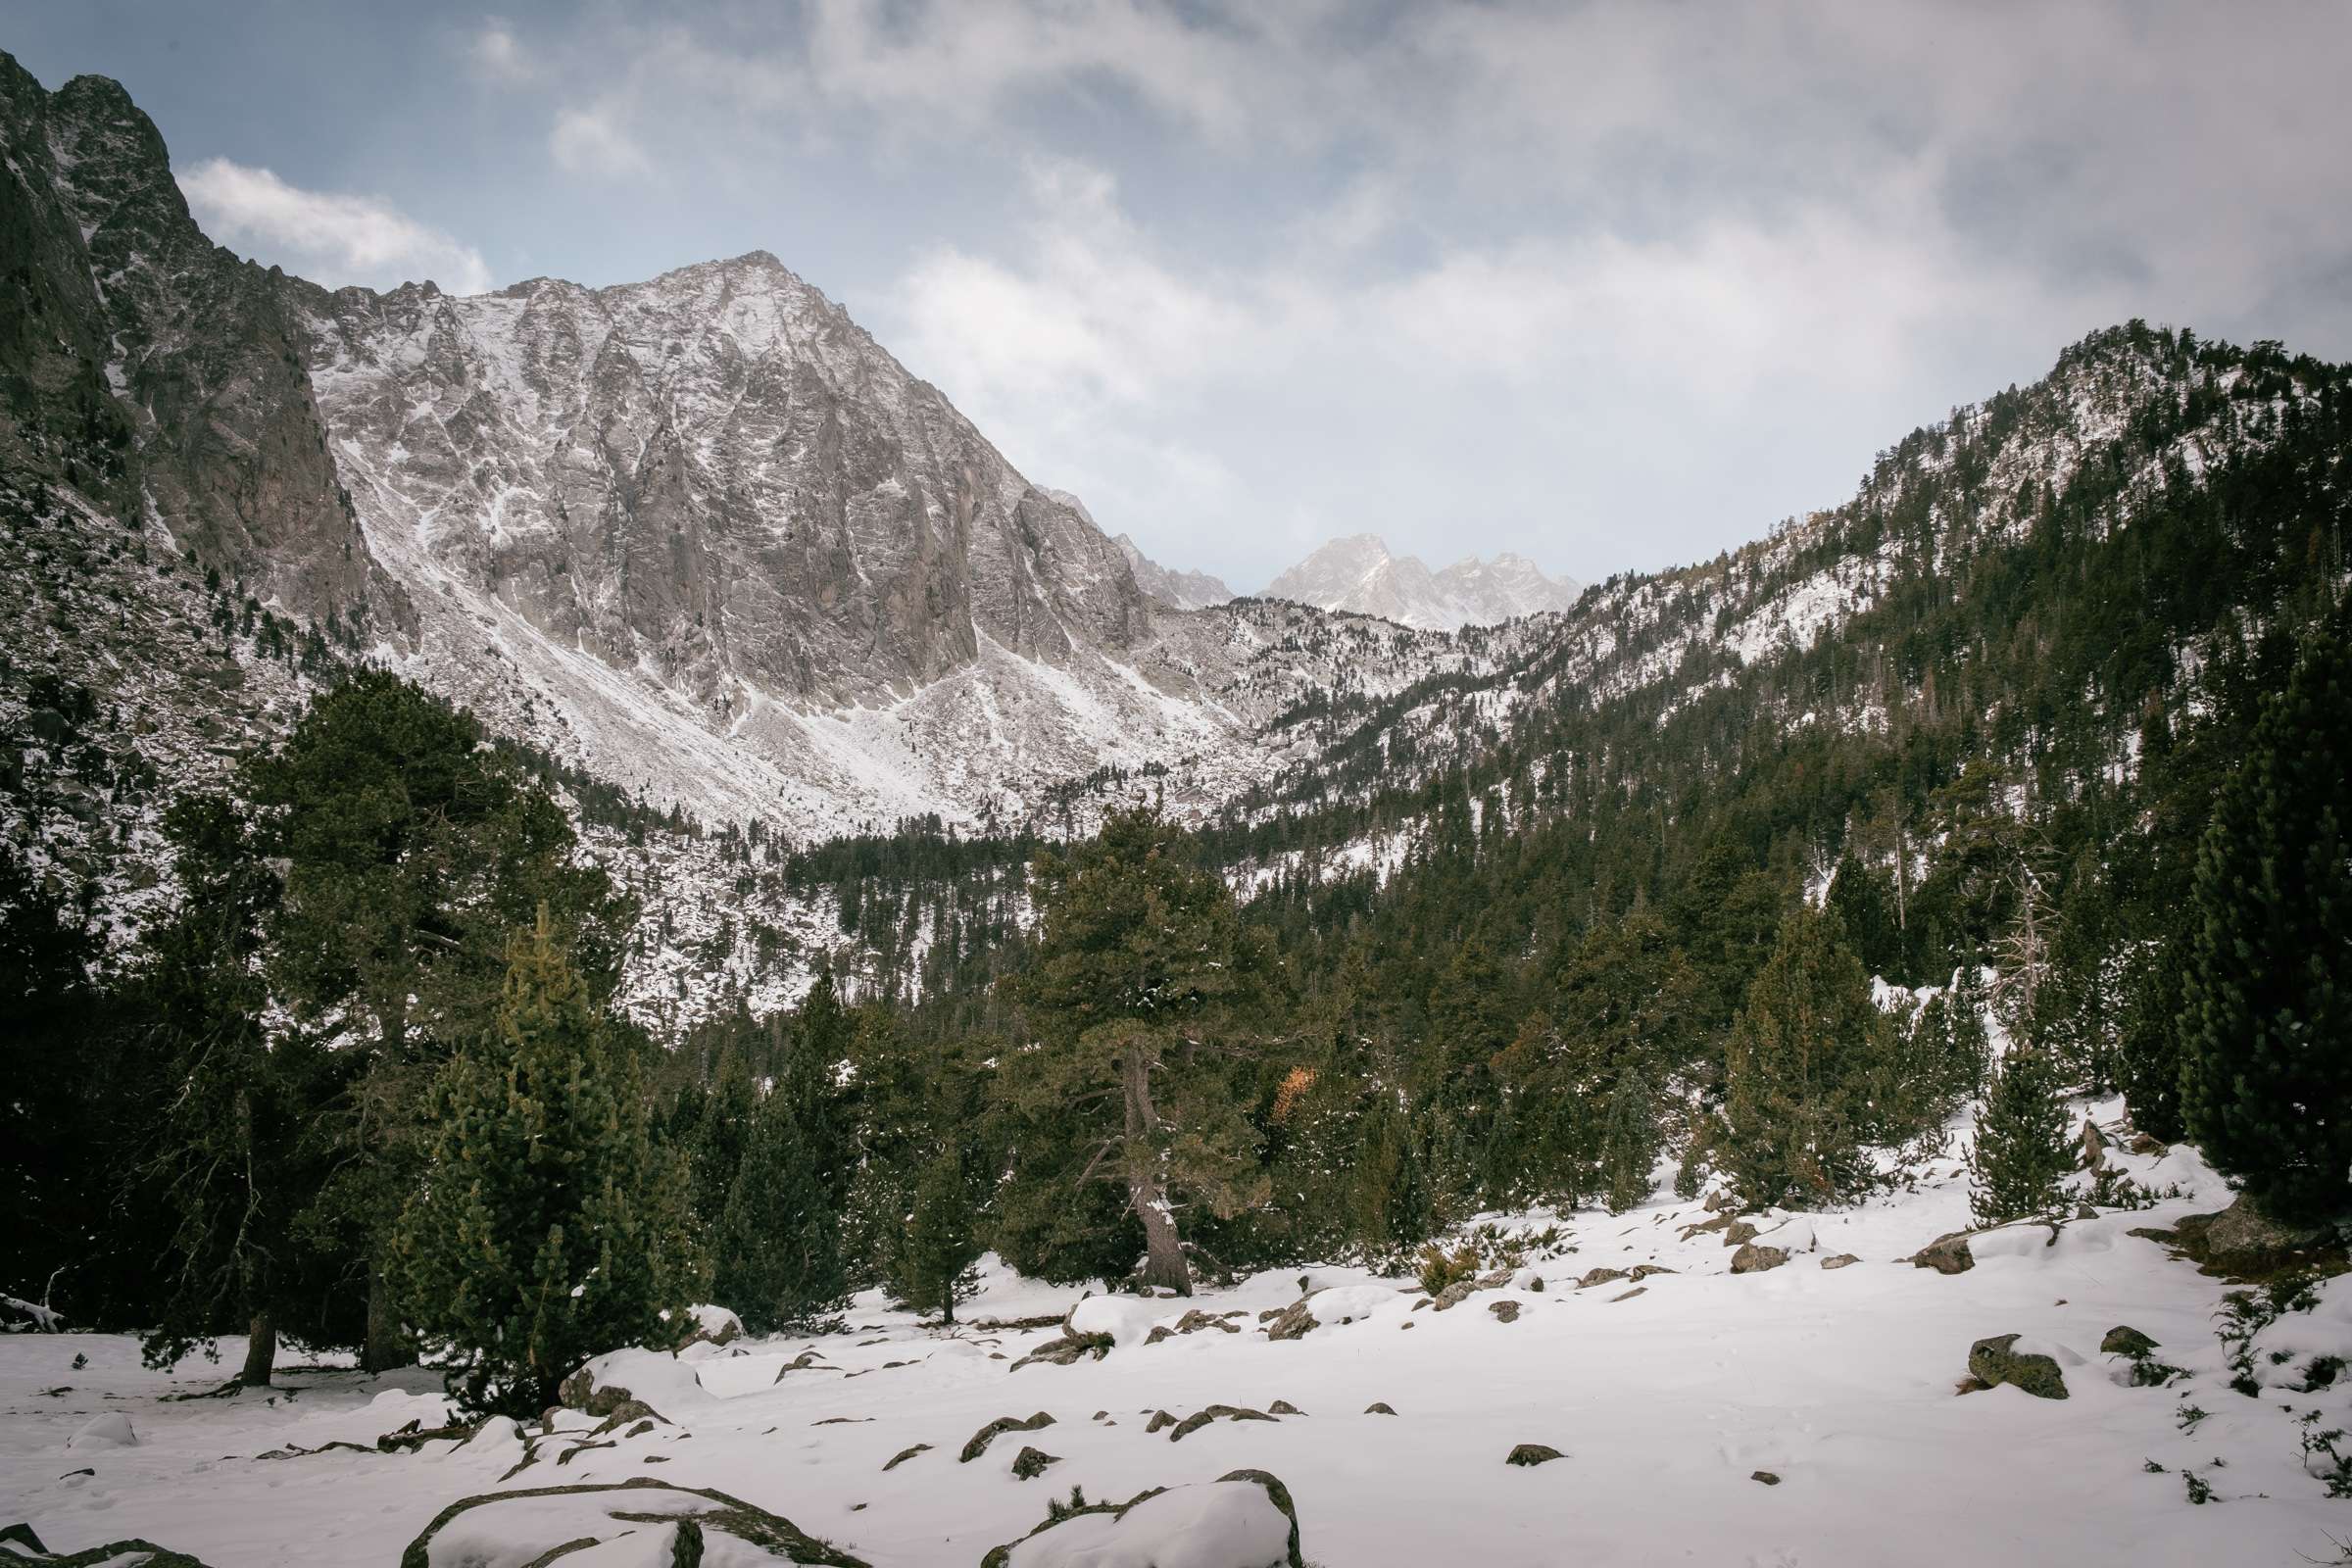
(1665, 1401)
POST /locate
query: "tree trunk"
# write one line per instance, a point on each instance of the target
(1146, 1189)
(386, 1347)
(1163, 1251)
(261, 1352)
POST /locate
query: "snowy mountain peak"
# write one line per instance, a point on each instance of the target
(1357, 573)
(1186, 590)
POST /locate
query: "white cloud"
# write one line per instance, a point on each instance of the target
(326, 236)
(498, 54)
(1557, 386)
(595, 141)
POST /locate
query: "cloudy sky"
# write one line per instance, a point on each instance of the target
(1610, 285)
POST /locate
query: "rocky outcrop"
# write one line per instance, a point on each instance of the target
(1947, 1254)
(1003, 1424)
(541, 1524)
(1243, 1519)
(1032, 1462)
(1995, 1361)
(1214, 1412)
(1527, 1455)
(2241, 1242)
(18, 1543)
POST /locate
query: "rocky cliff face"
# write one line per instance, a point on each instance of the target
(715, 476)
(156, 372)
(1185, 590)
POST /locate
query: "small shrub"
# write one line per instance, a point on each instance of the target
(2199, 1493)
(1439, 1269)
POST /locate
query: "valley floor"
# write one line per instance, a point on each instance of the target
(1840, 1382)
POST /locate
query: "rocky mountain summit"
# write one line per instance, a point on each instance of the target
(1358, 575)
(1186, 590)
(700, 537)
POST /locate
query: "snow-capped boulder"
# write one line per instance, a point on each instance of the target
(2009, 1358)
(1244, 1519)
(1124, 1320)
(653, 1378)
(713, 1325)
(108, 1431)
(640, 1523)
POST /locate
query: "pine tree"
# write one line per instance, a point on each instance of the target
(1797, 1110)
(939, 1244)
(2265, 1085)
(1141, 994)
(226, 1160)
(776, 1247)
(550, 1227)
(1629, 1148)
(2023, 1152)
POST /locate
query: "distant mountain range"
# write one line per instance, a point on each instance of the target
(1358, 575)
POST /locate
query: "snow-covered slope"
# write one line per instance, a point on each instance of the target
(1671, 1400)
(1357, 573)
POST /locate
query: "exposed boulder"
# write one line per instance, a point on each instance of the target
(1947, 1254)
(1504, 1312)
(1839, 1261)
(1643, 1271)
(1721, 1222)
(2125, 1340)
(639, 1523)
(1598, 1276)
(1284, 1407)
(1032, 1462)
(1527, 1455)
(2242, 1241)
(19, 1544)
(1739, 1233)
(904, 1454)
(1294, 1322)
(1379, 1407)
(1159, 1419)
(1003, 1424)
(1243, 1519)
(1765, 1476)
(1195, 1321)
(1995, 1361)
(1212, 1412)
(2095, 1147)
(714, 1325)
(1753, 1258)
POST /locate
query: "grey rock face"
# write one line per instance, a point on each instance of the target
(1183, 590)
(715, 474)
(181, 363)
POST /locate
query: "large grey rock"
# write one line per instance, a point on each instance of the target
(1994, 1362)
(1753, 1258)
(1947, 1254)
